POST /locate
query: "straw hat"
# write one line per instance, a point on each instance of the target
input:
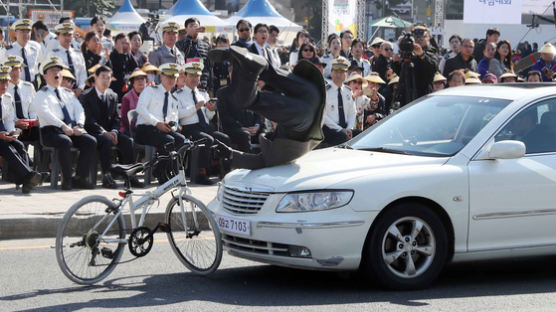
(438, 78)
(374, 78)
(67, 74)
(395, 79)
(147, 67)
(472, 80)
(354, 76)
(137, 73)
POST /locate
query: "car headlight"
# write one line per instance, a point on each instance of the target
(220, 192)
(314, 201)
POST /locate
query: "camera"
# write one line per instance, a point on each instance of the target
(406, 45)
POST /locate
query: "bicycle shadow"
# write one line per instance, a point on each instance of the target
(267, 286)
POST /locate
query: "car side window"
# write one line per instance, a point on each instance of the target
(535, 127)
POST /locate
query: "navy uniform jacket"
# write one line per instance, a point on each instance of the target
(100, 117)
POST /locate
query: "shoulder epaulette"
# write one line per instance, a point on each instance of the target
(347, 87)
(55, 50)
(9, 47)
(154, 87)
(66, 89)
(328, 86)
(175, 98)
(27, 83)
(44, 88)
(178, 91)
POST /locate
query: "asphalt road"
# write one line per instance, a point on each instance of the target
(31, 281)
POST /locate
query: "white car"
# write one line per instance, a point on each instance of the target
(463, 174)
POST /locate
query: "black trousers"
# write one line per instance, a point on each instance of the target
(333, 137)
(30, 134)
(54, 137)
(15, 155)
(150, 135)
(104, 145)
(196, 132)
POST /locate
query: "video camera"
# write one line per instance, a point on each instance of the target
(406, 45)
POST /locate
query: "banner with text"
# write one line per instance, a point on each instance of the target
(342, 15)
(492, 11)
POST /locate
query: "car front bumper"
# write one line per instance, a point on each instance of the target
(334, 238)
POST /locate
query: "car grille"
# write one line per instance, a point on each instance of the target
(255, 246)
(243, 202)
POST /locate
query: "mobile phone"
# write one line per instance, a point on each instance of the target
(171, 123)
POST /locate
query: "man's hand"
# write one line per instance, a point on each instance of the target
(21, 124)
(67, 130)
(77, 131)
(4, 135)
(163, 127)
(77, 92)
(357, 93)
(348, 133)
(113, 137)
(417, 49)
(210, 105)
(397, 58)
(199, 105)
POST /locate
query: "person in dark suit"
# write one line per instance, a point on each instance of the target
(123, 64)
(193, 47)
(259, 45)
(244, 31)
(296, 105)
(241, 125)
(103, 122)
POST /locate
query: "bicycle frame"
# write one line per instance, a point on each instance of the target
(177, 181)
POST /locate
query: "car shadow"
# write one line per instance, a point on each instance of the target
(267, 286)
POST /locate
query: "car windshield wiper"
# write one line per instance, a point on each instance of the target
(345, 145)
(384, 149)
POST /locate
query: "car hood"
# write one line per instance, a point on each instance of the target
(326, 168)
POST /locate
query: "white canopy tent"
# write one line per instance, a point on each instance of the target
(261, 11)
(126, 19)
(184, 9)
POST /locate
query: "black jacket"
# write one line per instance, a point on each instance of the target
(197, 49)
(122, 66)
(92, 59)
(457, 62)
(381, 65)
(99, 116)
(425, 66)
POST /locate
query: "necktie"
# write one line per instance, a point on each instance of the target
(2, 127)
(172, 51)
(70, 62)
(165, 107)
(202, 121)
(18, 107)
(67, 118)
(343, 123)
(26, 67)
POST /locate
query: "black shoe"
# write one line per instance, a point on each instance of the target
(66, 184)
(203, 179)
(135, 182)
(250, 63)
(219, 55)
(108, 181)
(222, 151)
(30, 182)
(82, 183)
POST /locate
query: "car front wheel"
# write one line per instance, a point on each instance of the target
(407, 247)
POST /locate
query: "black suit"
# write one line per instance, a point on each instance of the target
(101, 117)
(234, 118)
(253, 49)
(122, 66)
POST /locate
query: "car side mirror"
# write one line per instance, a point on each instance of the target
(507, 149)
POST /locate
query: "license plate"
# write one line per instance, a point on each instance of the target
(234, 225)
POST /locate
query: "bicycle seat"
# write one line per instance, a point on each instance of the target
(126, 170)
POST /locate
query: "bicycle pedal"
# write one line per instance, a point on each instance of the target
(107, 253)
(164, 227)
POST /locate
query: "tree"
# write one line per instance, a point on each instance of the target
(91, 7)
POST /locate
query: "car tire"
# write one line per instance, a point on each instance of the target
(406, 248)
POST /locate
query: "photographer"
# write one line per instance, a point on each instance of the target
(416, 65)
(192, 47)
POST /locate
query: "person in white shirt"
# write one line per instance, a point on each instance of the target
(72, 58)
(340, 111)
(194, 122)
(158, 115)
(13, 150)
(357, 50)
(272, 44)
(29, 51)
(23, 93)
(334, 49)
(62, 119)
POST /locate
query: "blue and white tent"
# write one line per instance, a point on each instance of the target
(126, 19)
(184, 9)
(261, 11)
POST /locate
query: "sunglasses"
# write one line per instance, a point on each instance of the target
(357, 82)
(388, 49)
(244, 29)
(307, 50)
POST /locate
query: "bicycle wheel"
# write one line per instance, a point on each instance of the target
(194, 235)
(83, 253)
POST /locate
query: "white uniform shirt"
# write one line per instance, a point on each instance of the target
(26, 92)
(33, 53)
(151, 103)
(188, 113)
(8, 112)
(49, 108)
(365, 65)
(331, 116)
(77, 60)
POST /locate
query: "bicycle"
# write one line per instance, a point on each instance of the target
(91, 237)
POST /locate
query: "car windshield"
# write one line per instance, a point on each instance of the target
(434, 126)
